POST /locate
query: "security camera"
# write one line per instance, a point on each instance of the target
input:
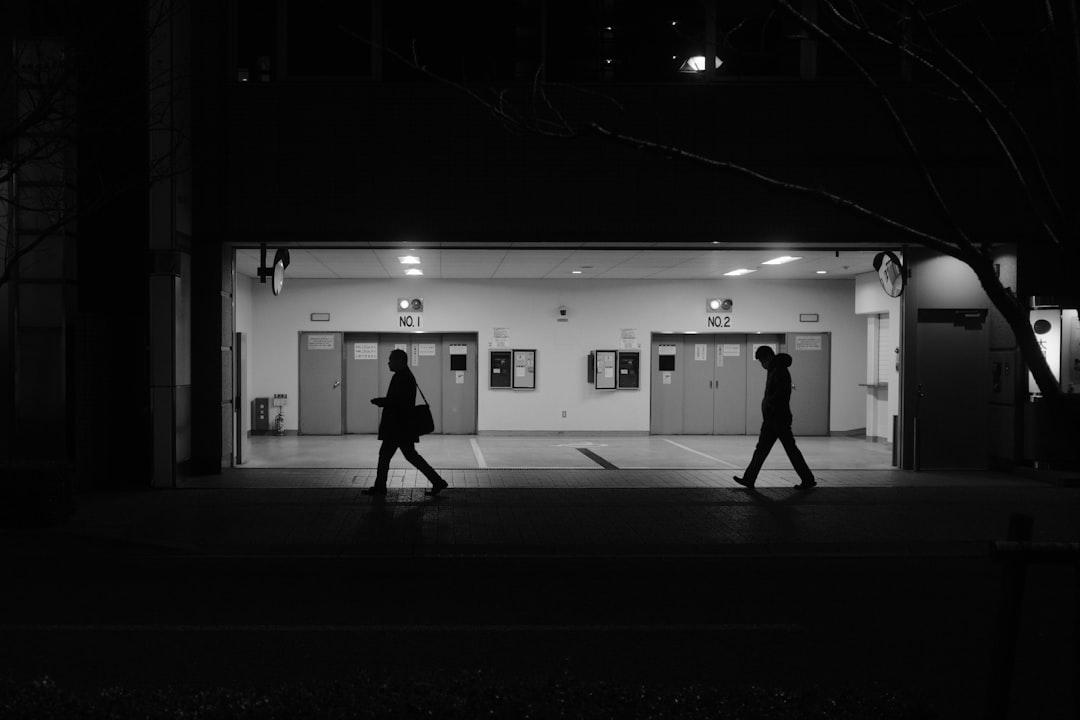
(562, 311)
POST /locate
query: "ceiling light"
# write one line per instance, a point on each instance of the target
(414, 271)
(409, 260)
(575, 272)
(740, 271)
(781, 260)
(696, 64)
(822, 272)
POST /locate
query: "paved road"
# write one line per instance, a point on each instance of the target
(924, 625)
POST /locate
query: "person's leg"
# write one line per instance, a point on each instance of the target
(787, 439)
(408, 450)
(386, 451)
(766, 439)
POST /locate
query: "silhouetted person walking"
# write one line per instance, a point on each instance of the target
(776, 420)
(396, 428)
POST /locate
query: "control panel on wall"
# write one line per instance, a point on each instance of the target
(512, 369)
(501, 369)
(614, 369)
(629, 369)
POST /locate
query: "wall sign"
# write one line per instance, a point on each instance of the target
(719, 321)
(320, 342)
(365, 351)
(807, 342)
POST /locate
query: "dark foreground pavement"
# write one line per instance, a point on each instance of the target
(836, 587)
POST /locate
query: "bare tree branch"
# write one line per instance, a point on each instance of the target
(898, 123)
(849, 206)
(974, 79)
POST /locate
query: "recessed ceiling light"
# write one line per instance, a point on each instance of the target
(822, 272)
(781, 260)
(414, 271)
(740, 271)
(409, 260)
(575, 272)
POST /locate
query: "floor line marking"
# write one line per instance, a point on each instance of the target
(596, 458)
(697, 452)
(481, 463)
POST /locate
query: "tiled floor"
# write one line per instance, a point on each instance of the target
(551, 452)
(576, 462)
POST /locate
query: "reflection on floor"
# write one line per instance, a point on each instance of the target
(565, 452)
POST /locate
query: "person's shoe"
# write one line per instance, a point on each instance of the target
(374, 490)
(744, 483)
(806, 485)
(437, 488)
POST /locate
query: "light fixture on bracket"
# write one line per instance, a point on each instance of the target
(277, 271)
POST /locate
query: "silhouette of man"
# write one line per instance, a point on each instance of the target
(396, 429)
(776, 420)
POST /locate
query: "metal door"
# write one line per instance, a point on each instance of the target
(666, 385)
(424, 362)
(698, 385)
(729, 385)
(810, 367)
(953, 389)
(362, 382)
(320, 383)
(755, 379)
(459, 376)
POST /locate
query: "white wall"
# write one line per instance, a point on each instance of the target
(598, 310)
(881, 405)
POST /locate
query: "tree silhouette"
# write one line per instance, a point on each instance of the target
(981, 58)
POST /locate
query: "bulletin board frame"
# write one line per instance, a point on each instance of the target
(607, 367)
(524, 369)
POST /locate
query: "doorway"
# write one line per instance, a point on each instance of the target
(711, 384)
(445, 367)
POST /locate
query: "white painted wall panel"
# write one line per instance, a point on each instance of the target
(529, 309)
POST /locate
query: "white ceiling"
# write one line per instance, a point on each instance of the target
(510, 262)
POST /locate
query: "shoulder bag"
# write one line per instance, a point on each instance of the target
(422, 421)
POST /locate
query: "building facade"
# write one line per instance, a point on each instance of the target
(316, 127)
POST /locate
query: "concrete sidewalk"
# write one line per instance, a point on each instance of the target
(586, 513)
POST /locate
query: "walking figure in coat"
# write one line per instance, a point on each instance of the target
(776, 420)
(396, 429)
